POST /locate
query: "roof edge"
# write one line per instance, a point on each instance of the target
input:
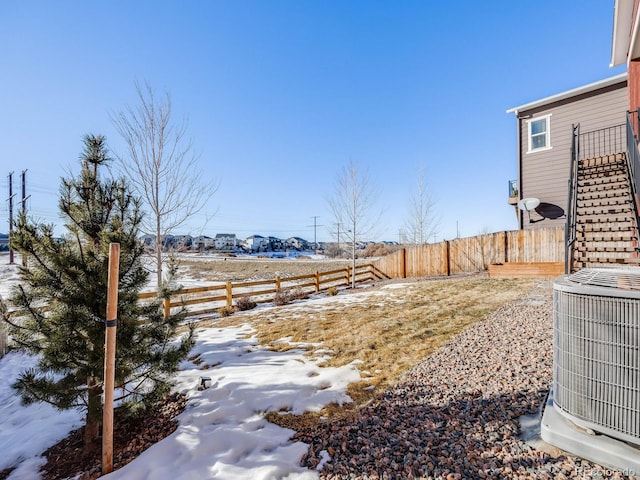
(621, 38)
(570, 93)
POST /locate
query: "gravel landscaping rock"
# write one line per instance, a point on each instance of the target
(455, 415)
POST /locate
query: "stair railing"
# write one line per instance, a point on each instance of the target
(633, 160)
(572, 200)
(603, 142)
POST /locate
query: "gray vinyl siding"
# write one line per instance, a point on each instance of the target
(544, 174)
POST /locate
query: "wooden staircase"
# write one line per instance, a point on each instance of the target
(606, 219)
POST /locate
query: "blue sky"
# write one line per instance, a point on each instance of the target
(280, 95)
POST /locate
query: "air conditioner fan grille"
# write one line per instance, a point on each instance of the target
(623, 278)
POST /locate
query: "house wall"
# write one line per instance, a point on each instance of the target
(634, 84)
(544, 174)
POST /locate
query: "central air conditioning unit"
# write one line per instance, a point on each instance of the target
(593, 409)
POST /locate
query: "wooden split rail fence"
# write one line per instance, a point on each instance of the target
(213, 297)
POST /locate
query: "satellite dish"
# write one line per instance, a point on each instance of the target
(528, 204)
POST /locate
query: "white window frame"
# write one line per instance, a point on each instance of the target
(547, 145)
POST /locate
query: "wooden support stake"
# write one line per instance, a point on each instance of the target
(229, 294)
(277, 283)
(110, 358)
(317, 281)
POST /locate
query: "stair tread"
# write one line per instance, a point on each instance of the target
(581, 247)
(599, 216)
(599, 195)
(596, 184)
(608, 261)
(604, 202)
(604, 159)
(600, 173)
(622, 236)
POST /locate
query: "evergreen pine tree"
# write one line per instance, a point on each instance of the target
(62, 297)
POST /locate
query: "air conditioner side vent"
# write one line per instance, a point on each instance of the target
(596, 354)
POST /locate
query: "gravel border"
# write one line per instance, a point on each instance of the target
(455, 415)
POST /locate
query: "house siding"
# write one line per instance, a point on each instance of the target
(544, 174)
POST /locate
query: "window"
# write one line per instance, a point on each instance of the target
(539, 133)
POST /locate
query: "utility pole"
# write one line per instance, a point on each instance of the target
(315, 229)
(10, 216)
(24, 206)
(24, 192)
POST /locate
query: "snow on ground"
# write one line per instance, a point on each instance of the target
(221, 434)
(27, 431)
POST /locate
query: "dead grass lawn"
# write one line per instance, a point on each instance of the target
(388, 329)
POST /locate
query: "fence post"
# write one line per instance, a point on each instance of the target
(447, 255)
(277, 283)
(403, 263)
(229, 294)
(348, 271)
(166, 307)
(506, 246)
(317, 281)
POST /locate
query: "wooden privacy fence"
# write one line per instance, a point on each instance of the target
(474, 254)
(211, 298)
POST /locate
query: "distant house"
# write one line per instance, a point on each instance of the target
(202, 242)
(179, 242)
(274, 244)
(148, 240)
(297, 243)
(255, 243)
(226, 241)
(544, 136)
(4, 242)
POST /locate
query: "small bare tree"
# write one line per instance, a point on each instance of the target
(351, 204)
(422, 221)
(162, 167)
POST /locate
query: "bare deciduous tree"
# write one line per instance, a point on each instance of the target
(422, 221)
(162, 166)
(351, 204)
